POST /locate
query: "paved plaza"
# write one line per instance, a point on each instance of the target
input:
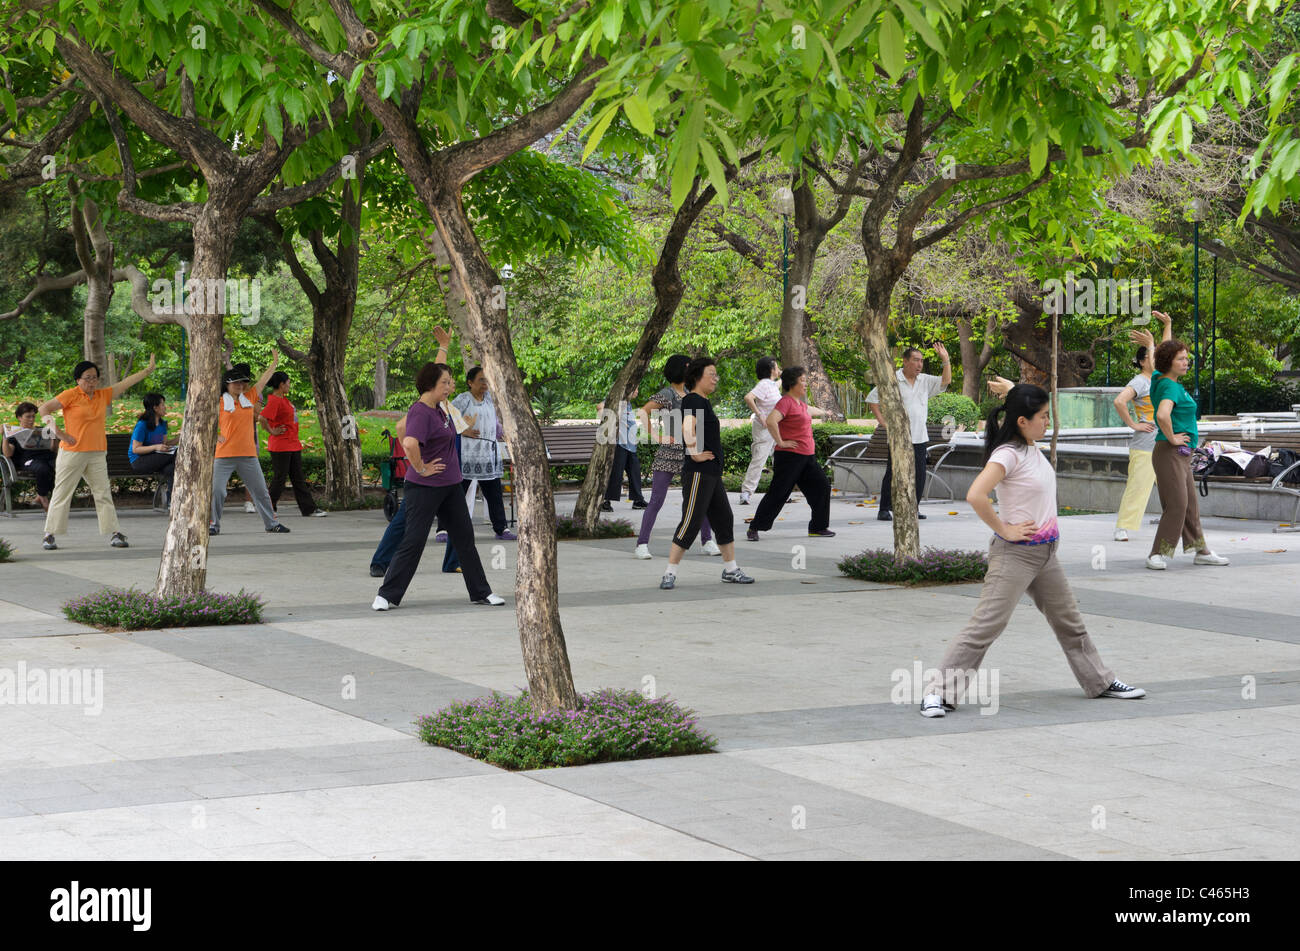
(294, 738)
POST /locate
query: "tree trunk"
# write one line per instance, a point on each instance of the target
(341, 442)
(95, 254)
(973, 362)
(183, 569)
(381, 381)
(537, 609)
(875, 317)
(453, 301)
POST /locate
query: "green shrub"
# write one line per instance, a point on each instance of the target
(1246, 396)
(6, 550)
(567, 528)
(935, 566)
(608, 725)
(133, 610)
(963, 409)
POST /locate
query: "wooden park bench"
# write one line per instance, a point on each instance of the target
(119, 467)
(1273, 483)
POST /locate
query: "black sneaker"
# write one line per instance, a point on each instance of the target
(606, 507)
(1122, 691)
(751, 535)
(919, 515)
(824, 533)
(214, 530)
(641, 505)
(278, 530)
(377, 572)
(885, 516)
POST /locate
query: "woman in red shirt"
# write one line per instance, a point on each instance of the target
(285, 447)
(795, 460)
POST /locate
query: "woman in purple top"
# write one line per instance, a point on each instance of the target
(433, 491)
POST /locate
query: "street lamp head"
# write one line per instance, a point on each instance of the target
(1198, 209)
(783, 199)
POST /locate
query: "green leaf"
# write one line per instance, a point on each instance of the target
(709, 63)
(638, 113)
(386, 80)
(891, 46)
(1241, 86)
(852, 30)
(598, 130)
(920, 24)
(1037, 156)
(274, 124)
(611, 18)
(688, 22)
(684, 172)
(717, 175)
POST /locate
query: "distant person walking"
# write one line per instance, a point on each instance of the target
(32, 452)
(1172, 460)
(152, 451)
(237, 445)
(281, 420)
(702, 488)
(666, 405)
(1141, 474)
(761, 400)
(625, 460)
(85, 454)
(1022, 557)
(795, 460)
(916, 388)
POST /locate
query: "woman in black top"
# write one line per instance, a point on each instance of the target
(703, 492)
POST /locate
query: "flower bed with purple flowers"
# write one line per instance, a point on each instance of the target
(608, 725)
(934, 566)
(128, 609)
(567, 528)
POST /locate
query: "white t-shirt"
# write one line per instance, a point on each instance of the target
(766, 395)
(916, 400)
(1142, 412)
(1027, 493)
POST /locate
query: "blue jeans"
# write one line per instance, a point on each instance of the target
(393, 536)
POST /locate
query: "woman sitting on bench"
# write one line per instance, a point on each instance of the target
(32, 451)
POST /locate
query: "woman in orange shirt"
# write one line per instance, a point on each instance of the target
(237, 444)
(85, 410)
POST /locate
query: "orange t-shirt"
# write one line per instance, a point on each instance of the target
(84, 418)
(239, 428)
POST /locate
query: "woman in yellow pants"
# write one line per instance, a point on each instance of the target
(1141, 474)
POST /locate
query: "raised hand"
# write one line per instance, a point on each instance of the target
(441, 337)
(941, 350)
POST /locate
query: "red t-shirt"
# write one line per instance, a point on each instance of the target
(796, 426)
(280, 412)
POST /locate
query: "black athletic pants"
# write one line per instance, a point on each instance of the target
(496, 503)
(788, 470)
(290, 464)
(886, 503)
(423, 504)
(704, 495)
(629, 462)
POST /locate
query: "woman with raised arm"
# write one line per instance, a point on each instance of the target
(1022, 557)
(85, 456)
(1141, 476)
(237, 444)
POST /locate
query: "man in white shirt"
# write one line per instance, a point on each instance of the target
(761, 400)
(916, 389)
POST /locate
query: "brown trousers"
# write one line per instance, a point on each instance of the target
(1015, 570)
(1182, 514)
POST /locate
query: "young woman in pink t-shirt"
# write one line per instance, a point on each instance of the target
(1022, 557)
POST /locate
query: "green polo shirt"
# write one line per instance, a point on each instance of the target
(1183, 418)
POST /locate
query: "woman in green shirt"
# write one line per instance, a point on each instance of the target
(1176, 437)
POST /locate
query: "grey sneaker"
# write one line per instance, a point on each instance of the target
(48, 543)
(933, 706)
(118, 540)
(668, 582)
(1122, 691)
(737, 576)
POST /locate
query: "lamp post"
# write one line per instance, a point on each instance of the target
(783, 199)
(1214, 335)
(1198, 208)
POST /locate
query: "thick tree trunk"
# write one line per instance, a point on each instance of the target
(341, 442)
(973, 361)
(875, 317)
(183, 569)
(798, 346)
(537, 609)
(381, 380)
(452, 300)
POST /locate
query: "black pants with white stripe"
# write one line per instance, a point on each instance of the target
(704, 496)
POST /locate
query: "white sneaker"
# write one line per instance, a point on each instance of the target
(319, 513)
(492, 599)
(248, 507)
(380, 604)
(1209, 558)
(932, 706)
(711, 548)
(1121, 535)
(1157, 562)
(643, 552)
(744, 498)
